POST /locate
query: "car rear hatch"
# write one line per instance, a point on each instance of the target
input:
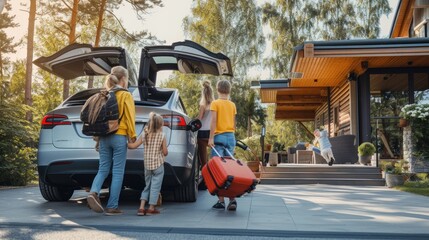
(77, 60)
(187, 57)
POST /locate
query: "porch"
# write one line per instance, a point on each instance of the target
(353, 87)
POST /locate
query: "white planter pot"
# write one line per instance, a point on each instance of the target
(273, 160)
(393, 180)
(365, 160)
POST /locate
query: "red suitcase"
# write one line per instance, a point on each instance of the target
(228, 177)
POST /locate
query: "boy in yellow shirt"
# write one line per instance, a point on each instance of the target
(222, 131)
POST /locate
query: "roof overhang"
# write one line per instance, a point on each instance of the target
(325, 64)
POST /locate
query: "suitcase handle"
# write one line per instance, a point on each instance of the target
(222, 157)
(217, 153)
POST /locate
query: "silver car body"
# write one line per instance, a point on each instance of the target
(67, 159)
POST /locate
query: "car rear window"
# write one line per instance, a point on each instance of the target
(157, 97)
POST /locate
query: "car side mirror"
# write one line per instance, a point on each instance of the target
(194, 125)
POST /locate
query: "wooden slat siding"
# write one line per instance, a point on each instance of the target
(340, 96)
(268, 95)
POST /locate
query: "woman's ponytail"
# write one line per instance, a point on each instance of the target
(207, 96)
(116, 74)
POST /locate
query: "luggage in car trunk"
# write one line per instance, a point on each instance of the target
(228, 177)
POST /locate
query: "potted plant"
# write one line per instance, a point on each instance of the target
(396, 173)
(251, 153)
(384, 165)
(365, 152)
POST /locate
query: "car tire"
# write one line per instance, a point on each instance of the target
(188, 192)
(55, 194)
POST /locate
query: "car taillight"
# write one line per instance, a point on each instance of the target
(174, 122)
(51, 120)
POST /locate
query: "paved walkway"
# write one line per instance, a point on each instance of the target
(281, 208)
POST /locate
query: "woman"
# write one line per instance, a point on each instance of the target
(113, 148)
(205, 117)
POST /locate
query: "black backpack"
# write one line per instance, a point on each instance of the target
(100, 113)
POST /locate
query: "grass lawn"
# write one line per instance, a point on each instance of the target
(417, 187)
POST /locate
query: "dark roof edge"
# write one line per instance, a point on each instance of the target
(270, 84)
(295, 51)
(385, 42)
(395, 19)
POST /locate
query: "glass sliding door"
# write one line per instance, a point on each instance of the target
(388, 94)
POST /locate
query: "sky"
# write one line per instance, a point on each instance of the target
(165, 23)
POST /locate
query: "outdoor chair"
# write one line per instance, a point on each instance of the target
(343, 148)
(291, 152)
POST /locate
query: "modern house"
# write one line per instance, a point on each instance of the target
(358, 87)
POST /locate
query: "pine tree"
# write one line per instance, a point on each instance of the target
(29, 65)
(7, 44)
(235, 29)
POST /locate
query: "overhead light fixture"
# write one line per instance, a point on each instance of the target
(351, 76)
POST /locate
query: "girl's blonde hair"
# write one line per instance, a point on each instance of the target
(154, 125)
(207, 96)
(223, 86)
(115, 76)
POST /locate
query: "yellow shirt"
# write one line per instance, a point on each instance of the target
(225, 112)
(127, 111)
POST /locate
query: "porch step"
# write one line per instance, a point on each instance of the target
(353, 175)
(356, 175)
(322, 168)
(329, 181)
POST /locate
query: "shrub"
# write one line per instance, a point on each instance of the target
(397, 167)
(366, 149)
(20, 169)
(254, 145)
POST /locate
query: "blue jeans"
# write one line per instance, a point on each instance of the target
(224, 141)
(153, 180)
(113, 150)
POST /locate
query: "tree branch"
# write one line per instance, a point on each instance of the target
(65, 3)
(120, 24)
(60, 30)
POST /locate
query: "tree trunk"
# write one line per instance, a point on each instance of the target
(72, 39)
(249, 127)
(29, 64)
(98, 35)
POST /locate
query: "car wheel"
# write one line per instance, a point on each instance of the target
(55, 194)
(188, 192)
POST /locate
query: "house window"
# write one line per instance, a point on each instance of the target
(336, 119)
(322, 121)
(421, 30)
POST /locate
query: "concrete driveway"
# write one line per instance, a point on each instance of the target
(272, 210)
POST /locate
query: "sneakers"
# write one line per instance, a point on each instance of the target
(113, 212)
(331, 162)
(152, 212)
(94, 202)
(141, 212)
(219, 205)
(232, 206)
